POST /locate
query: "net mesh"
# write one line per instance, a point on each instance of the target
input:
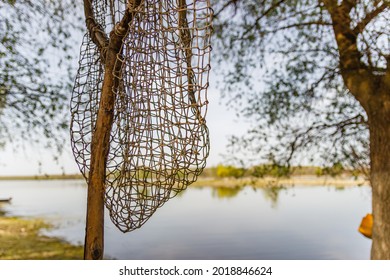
(159, 140)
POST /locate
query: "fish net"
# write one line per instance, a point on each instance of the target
(159, 140)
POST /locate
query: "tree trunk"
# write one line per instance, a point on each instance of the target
(379, 121)
(109, 50)
(94, 239)
(373, 92)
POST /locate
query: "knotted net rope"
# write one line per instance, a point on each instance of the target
(159, 140)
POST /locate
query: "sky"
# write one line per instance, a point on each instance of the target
(221, 122)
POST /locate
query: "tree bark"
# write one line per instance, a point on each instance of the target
(373, 93)
(379, 121)
(94, 238)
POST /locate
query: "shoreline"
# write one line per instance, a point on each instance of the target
(41, 177)
(294, 180)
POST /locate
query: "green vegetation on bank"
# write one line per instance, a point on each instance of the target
(277, 171)
(273, 175)
(20, 239)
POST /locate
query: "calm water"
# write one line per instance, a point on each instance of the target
(208, 223)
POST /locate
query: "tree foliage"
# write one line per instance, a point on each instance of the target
(284, 74)
(36, 73)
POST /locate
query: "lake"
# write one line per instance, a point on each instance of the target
(213, 223)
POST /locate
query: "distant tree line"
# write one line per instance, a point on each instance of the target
(277, 171)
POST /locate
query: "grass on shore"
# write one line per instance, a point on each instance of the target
(20, 239)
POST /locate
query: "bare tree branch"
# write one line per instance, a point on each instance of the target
(369, 17)
(96, 32)
(227, 4)
(301, 24)
(264, 14)
(316, 131)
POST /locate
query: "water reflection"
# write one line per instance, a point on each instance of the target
(339, 188)
(214, 223)
(225, 192)
(2, 212)
(270, 193)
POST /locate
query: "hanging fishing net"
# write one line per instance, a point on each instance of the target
(159, 140)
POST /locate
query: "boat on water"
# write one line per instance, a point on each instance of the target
(5, 200)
